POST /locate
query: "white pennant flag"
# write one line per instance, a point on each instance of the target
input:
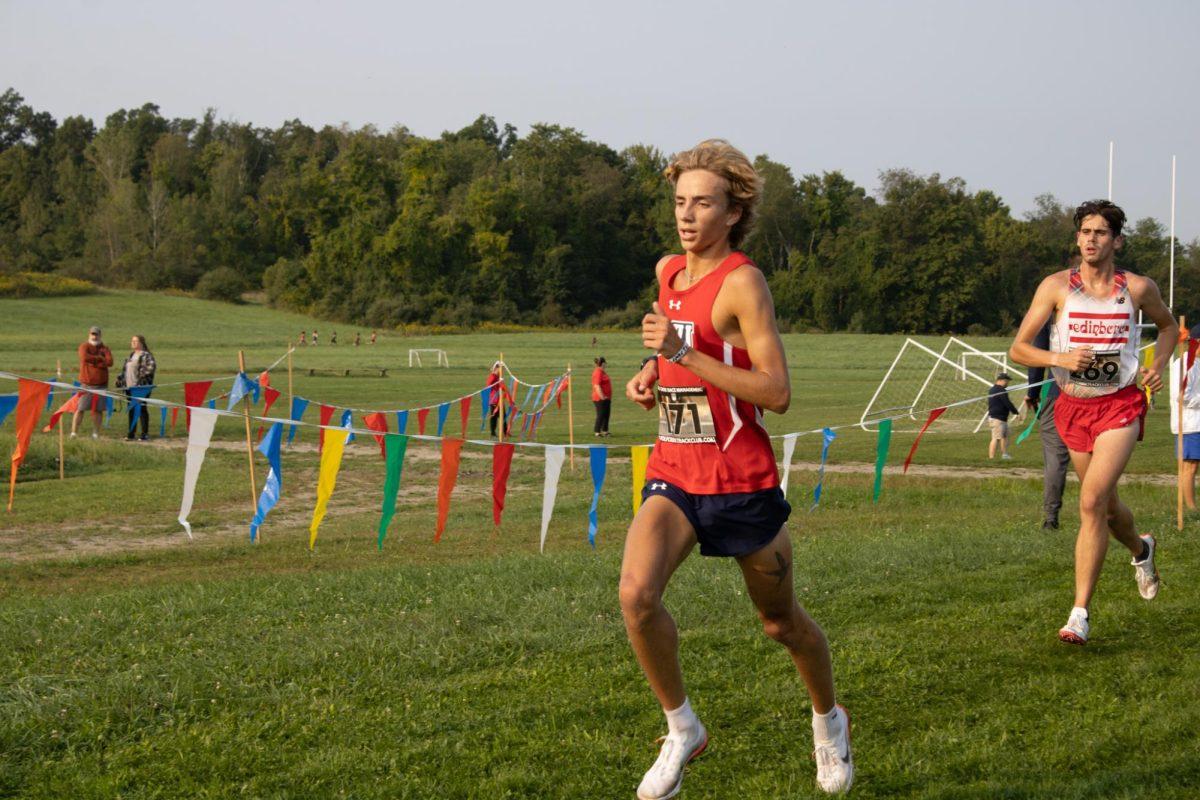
(203, 420)
(789, 447)
(554, 462)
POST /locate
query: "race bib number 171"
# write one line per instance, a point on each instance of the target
(684, 416)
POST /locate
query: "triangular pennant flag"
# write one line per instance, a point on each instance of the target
(377, 421)
(31, 398)
(395, 445)
(162, 422)
(212, 404)
(502, 455)
(933, 415)
(789, 447)
(269, 397)
(639, 454)
(199, 435)
(401, 422)
(242, 386)
(525, 404)
(881, 453)
(451, 453)
(299, 406)
(274, 485)
(331, 462)
(599, 462)
(50, 394)
(325, 414)
(108, 410)
(348, 422)
(7, 403)
(464, 409)
(564, 386)
(136, 395)
(443, 412)
(174, 418)
(264, 380)
(422, 416)
(484, 395)
(68, 407)
(1037, 414)
(554, 460)
(827, 437)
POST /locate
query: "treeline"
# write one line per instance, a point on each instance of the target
(480, 224)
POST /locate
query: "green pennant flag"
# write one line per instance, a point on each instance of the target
(396, 444)
(1033, 422)
(881, 454)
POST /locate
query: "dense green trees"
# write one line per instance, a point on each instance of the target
(480, 224)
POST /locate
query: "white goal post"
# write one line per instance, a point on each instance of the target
(439, 356)
(993, 356)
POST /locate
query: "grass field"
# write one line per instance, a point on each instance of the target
(136, 664)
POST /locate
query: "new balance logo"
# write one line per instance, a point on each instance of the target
(658, 487)
(674, 305)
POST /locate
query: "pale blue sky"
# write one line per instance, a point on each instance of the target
(1018, 97)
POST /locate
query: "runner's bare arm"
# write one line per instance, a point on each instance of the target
(748, 300)
(1149, 299)
(1045, 300)
(640, 388)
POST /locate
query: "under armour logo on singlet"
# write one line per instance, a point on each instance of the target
(674, 305)
(658, 487)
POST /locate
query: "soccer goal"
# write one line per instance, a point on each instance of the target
(436, 357)
(921, 379)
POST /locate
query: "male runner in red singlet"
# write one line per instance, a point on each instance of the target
(711, 478)
(1100, 412)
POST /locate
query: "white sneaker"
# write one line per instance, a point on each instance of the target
(95, 435)
(835, 762)
(1144, 571)
(665, 778)
(1006, 456)
(1076, 629)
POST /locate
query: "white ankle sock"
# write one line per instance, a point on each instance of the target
(682, 719)
(827, 727)
(1080, 608)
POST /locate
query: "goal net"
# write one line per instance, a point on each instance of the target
(921, 379)
(435, 357)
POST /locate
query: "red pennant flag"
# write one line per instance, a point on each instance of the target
(451, 453)
(502, 455)
(193, 396)
(174, 418)
(422, 415)
(1191, 356)
(377, 421)
(31, 398)
(326, 415)
(561, 388)
(933, 415)
(269, 397)
(465, 408)
(69, 407)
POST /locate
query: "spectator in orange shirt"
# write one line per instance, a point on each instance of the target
(94, 360)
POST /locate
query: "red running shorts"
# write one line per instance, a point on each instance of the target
(1081, 419)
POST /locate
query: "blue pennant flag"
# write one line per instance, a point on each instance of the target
(599, 459)
(827, 437)
(213, 404)
(136, 395)
(162, 424)
(269, 447)
(348, 422)
(299, 405)
(528, 397)
(512, 387)
(108, 410)
(7, 403)
(401, 422)
(485, 398)
(242, 386)
(443, 410)
(50, 395)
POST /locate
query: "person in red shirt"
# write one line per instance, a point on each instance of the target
(601, 397)
(711, 479)
(94, 360)
(496, 384)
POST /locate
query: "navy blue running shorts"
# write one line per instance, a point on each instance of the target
(734, 524)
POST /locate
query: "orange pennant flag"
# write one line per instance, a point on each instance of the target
(31, 397)
(377, 421)
(68, 407)
(451, 453)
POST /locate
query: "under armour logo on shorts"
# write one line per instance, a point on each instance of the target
(658, 487)
(674, 305)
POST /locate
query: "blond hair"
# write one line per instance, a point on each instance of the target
(744, 184)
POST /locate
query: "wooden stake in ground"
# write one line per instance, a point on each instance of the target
(61, 459)
(249, 443)
(1179, 436)
(571, 413)
(291, 349)
(500, 390)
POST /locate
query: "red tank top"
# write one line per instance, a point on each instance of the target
(708, 441)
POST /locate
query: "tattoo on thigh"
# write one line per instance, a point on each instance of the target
(782, 571)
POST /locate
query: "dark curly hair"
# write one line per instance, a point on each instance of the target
(1111, 212)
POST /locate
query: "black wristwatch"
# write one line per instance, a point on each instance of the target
(646, 361)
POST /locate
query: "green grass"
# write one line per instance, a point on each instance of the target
(136, 664)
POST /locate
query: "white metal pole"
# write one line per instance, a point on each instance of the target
(1171, 300)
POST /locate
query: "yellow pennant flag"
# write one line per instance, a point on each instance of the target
(639, 455)
(331, 462)
(1147, 362)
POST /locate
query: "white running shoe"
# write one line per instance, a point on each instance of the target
(1144, 571)
(1076, 629)
(665, 778)
(835, 762)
